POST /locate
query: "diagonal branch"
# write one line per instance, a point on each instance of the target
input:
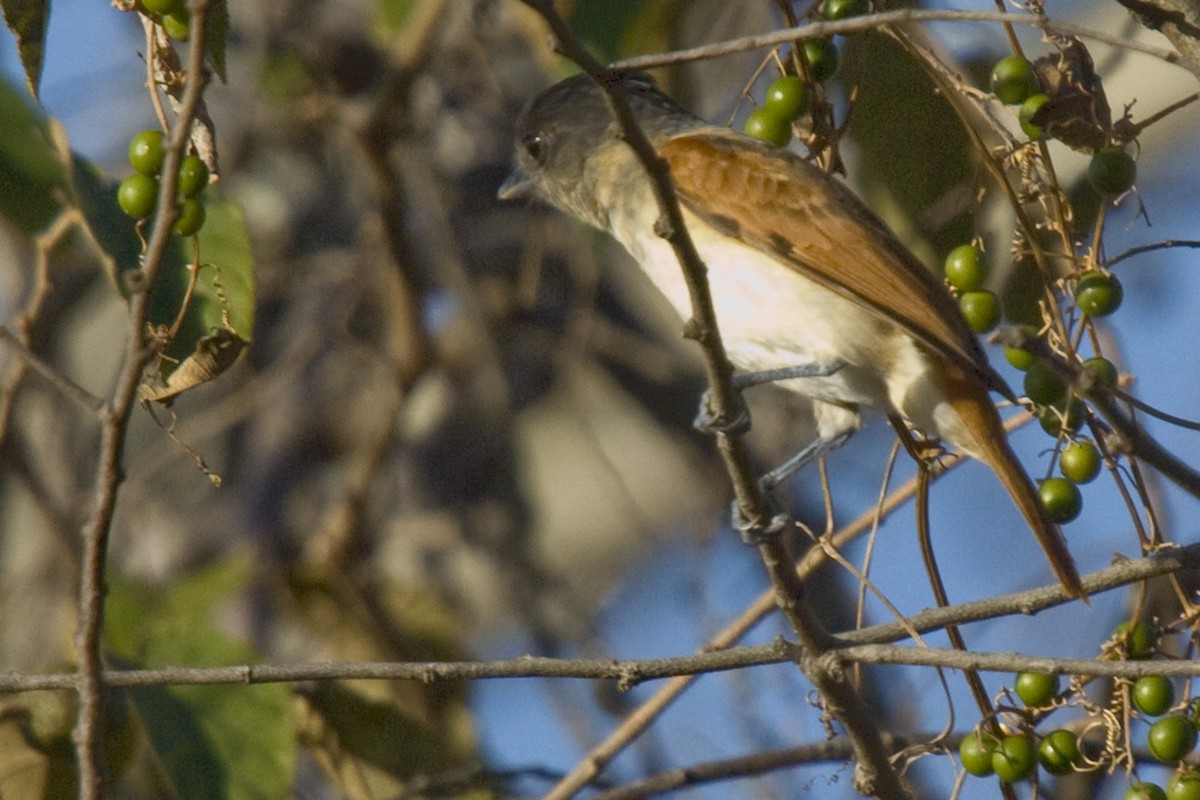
(874, 774)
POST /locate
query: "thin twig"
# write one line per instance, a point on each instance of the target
(817, 30)
(62, 384)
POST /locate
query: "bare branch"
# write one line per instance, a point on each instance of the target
(817, 30)
(61, 384)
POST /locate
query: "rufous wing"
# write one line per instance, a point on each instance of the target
(782, 205)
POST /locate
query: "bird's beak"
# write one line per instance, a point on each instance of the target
(518, 186)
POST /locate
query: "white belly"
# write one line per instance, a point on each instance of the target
(773, 317)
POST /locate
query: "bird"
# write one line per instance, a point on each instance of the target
(806, 281)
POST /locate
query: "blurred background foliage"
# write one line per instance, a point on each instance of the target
(460, 427)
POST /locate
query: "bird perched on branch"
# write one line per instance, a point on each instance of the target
(810, 289)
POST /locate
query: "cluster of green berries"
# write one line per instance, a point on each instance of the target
(1014, 81)
(172, 15)
(1015, 757)
(1097, 294)
(138, 194)
(789, 97)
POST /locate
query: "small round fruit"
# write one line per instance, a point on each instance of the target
(1139, 640)
(1080, 462)
(1184, 785)
(822, 57)
(1153, 694)
(1020, 359)
(193, 176)
(178, 25)
(1103, 369)
(981, 309)
(975, 752)
(765, 124)
(1112, 171)
(1029, 108)
(1014, 759)
(1098, 294)
(966, 268)
(137, 195)
(191, 217)
(1171, 738)
(844, 9)
(1061, 499)
(162, 6)
(788, 97)
(146, 152)
(1043, 385)
(1014, 80)
(1036, 689)
(1059, 752)
(1144, 791)
(1060, 418)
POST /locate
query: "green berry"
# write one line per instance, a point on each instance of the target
(1043, 385)
(1061, 499)
(191, 217)
(163, 6)
(1139, 641)
(1171, 738)
(193, 176)
(1014, 759)
(1098, 294)
(788, 97)
(844, 9)
(1059, 418)
(1112, 171)
(822, 57)
(1014, 80)
(178, 25)
(1144, 791)
(966, 268)
(137, 195)
(1153, 694)
(1036, 689)
(1184, 785)
(765, 124)
(1059, 752)
(1104, 371)
(146, 152)
(1080, 462)
(1019, 358)
(981, 309)
(1029, 108)
(975, 752)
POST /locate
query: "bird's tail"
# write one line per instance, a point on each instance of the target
(974, 408)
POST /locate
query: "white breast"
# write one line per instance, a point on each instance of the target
(771, 316)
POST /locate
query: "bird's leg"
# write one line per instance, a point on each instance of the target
(739, 421)
(754, 532)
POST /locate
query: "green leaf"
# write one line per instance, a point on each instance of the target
(31, 174)
(223, 296)
(390, 17)
(216, 30)
(370, 731)
(622, 27)
(27, 20)
(212, 741)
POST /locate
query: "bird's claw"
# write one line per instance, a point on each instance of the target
(753, 531)
(736, 422)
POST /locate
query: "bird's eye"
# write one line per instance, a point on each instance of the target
(535, 145)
